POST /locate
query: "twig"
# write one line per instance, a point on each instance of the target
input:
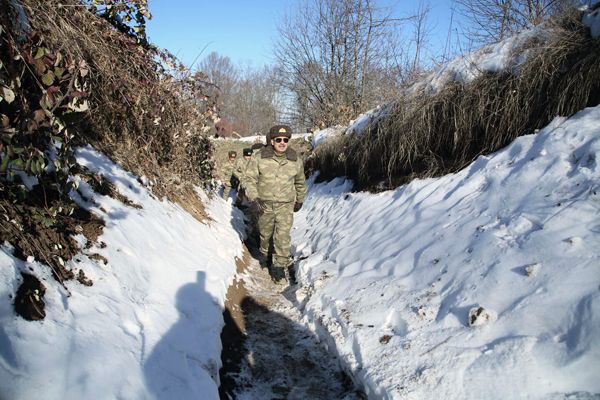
(69, 89)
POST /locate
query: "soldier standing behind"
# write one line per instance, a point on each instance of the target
(251, 212)
(241, 174)
(275, 184)
(229, 178)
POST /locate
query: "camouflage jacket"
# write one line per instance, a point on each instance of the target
(275, 178)
(242, 171)
(239, 167)
(231, 170)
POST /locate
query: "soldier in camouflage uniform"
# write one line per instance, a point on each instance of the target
(241, 173)
(275, 184)
(230, 171)
(251, 212)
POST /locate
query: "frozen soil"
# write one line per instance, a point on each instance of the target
(268, 352)
(40, 225)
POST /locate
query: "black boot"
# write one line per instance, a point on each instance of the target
(277, 274)
(263, 260)
(291, 274)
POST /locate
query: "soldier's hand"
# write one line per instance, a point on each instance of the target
(297, 206)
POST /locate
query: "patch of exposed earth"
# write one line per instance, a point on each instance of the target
(39, 224)
(268, 351)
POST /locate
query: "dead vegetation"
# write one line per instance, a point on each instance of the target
(102, 186)
(147, 111)
(74, 72)
(41, 225)
(430, 135)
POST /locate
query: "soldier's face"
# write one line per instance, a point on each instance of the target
(280, 144)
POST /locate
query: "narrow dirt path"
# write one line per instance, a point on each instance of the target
(269, 353)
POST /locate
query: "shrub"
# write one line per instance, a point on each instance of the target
(429, 135)
(75, 72)
(142, 107)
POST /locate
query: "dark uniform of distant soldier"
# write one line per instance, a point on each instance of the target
(275, 183)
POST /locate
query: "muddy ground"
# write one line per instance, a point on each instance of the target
(268, 353)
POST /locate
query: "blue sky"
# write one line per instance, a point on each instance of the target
(245, 30)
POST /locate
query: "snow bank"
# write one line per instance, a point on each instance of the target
(364, 121)
(150, 325)
(492, 58)
(249, 139)
(482, 284)
(323, 134)
(356, 127)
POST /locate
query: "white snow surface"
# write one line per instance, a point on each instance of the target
(364, 121)
(505, 55)
(149, 327)
(388, 280)
(250, 139)
(357, 126)
(323, 134)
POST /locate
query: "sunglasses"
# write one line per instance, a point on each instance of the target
(281, 139)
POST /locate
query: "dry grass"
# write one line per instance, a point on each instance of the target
(147, 118)
(141, 115)
(430, 135)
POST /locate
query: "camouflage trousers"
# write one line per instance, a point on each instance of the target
(275, 224)
(232, 183)
(226, 191)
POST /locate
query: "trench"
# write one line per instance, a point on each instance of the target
(268, 353)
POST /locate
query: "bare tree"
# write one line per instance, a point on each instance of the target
(221, 72)
(253, 104)
(420, 33)
(246, 98)
(494, 20)
(332, 54)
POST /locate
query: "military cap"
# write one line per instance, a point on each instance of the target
(257, 146)
(247, 151)
(232, 153)
(280, 130)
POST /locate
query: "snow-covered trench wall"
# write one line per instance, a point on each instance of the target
(483, 284)
(150, 325)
